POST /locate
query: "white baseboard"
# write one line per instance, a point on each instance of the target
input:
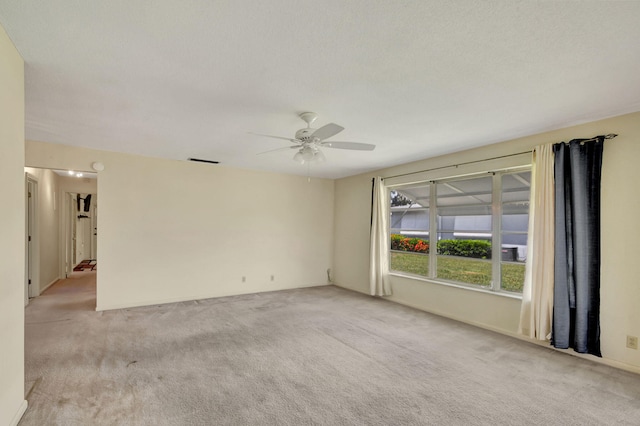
(18, 416)
(151, 302)
(49, 285)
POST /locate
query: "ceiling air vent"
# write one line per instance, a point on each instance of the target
(200, 160)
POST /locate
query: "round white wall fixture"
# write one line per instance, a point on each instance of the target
(97, 166)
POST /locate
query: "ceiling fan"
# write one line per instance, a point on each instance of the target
(309, 141)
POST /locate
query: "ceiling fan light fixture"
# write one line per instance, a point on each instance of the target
(299, 157)
(307, 153)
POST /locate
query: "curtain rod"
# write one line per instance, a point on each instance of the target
(459, 164)
(608, 136)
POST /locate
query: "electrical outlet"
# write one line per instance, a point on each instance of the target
(632, 342)
(244, 279)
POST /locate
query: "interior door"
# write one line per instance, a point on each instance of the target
(94, 229)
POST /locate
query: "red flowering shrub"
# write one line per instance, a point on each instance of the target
(421, 247)
(402, 243)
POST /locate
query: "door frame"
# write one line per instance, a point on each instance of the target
(69, 221)
(32, 246)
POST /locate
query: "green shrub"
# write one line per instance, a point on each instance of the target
(478, 249)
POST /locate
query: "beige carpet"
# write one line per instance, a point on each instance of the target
(318, 356)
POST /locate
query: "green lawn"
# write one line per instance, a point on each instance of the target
(470, 271)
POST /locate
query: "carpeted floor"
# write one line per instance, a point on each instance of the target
(315, 356)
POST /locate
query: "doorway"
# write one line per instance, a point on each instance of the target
(48, 224)
(81, 230)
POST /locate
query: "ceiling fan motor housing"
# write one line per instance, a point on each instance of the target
(303, 134)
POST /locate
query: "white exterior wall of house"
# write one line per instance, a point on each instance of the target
(416, 224)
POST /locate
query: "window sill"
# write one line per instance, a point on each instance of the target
(470, 287)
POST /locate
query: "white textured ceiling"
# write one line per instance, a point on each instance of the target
(178, 79)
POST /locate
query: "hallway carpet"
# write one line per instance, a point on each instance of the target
(314, 356)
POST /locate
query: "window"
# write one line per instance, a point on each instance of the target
(409, 226)
(479, 226)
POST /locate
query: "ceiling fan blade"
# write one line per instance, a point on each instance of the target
(280, 149)
(276, 137)
(357, 146)
(327, 131)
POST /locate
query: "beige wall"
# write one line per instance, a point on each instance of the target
(12, 243)
(175, 230)
(48, 238)
(78, 185)
(620, 233)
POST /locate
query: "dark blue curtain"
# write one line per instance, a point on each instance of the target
(576, 309)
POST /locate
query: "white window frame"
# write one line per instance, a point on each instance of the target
(497, 168)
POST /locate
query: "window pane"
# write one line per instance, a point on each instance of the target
(515, 223)
(464, 270)
(409, 262)
(408, 220)
(515, 187)
(512, 276)
(465, 192)
(465, 230)
(409, 225)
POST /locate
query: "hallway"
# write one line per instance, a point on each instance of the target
(56, 325)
